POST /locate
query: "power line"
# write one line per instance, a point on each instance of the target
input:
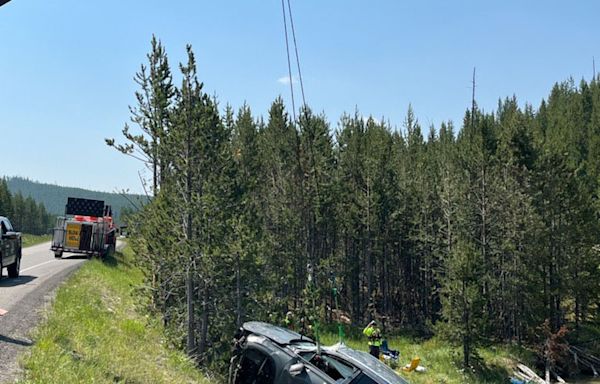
(287, 50)
(297, 57)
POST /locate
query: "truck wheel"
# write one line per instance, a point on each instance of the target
(13, 269)
(58, 254)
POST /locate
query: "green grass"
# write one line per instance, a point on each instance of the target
(443, 361)
(94, 333)
(29, 240)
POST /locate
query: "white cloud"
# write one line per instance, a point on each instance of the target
(286, 80)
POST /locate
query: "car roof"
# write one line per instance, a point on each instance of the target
(279, 335)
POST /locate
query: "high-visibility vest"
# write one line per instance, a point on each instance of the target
(374, 335)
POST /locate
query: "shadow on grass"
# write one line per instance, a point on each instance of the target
(116, 259)
(489, 373)
(112, 260)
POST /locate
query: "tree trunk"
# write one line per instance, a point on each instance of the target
(467, 329)
(189, 291)
(204, 330)
(238, 283)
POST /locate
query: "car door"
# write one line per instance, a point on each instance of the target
(9, 243)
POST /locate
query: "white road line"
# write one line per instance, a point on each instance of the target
(46, 262)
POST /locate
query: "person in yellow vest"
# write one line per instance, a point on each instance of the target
(289, 321)
(373, 333)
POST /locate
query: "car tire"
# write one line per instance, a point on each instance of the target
(13, 269)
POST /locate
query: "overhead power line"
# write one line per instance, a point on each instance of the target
(287, 50)
(297, 57)
(289, 61)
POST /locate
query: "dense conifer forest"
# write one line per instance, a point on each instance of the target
(479, 231)
(54, 197)
(25, 214)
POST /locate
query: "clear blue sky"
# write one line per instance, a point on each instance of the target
(67, 66)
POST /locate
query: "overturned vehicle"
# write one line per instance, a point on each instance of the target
(267, 354)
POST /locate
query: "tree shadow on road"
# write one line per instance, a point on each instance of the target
(21, 280)
(23, 342)
(74, 257)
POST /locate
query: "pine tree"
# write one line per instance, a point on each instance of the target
(6, 203)
(151, 115)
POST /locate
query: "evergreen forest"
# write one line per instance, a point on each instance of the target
(54, 197)
(25, 214)
(480, 231)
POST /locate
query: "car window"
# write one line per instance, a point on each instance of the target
(4, 229)
(330, 365)
(374, 366)
(9, 226)
(363, 379)
(255, 368)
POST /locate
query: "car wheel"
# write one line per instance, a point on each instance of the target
(13, 269)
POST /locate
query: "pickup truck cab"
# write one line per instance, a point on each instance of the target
(10, 248)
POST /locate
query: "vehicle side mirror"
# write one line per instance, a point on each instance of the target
(10, 235)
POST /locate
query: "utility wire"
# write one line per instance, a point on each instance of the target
(296, 50)
(287, 50)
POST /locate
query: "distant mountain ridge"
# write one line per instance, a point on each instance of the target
(54, 197)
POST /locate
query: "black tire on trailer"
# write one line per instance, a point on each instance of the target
(14, 268)
(58, 254)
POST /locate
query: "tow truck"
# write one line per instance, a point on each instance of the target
(86, 228)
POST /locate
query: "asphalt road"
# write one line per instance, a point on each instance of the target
(24, 300)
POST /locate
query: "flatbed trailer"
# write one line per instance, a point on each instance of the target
(87, 228)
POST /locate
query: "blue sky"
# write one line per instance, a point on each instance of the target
(67, 67)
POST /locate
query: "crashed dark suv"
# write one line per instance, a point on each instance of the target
(267, 354)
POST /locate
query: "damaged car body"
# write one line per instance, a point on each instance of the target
(266, 354)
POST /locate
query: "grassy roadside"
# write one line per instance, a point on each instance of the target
(29, 240)
(443, 362)
(93, 333)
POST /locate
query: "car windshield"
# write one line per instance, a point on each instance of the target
(373, 365)
(330, 365)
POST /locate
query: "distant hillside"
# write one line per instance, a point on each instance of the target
(54, 197)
